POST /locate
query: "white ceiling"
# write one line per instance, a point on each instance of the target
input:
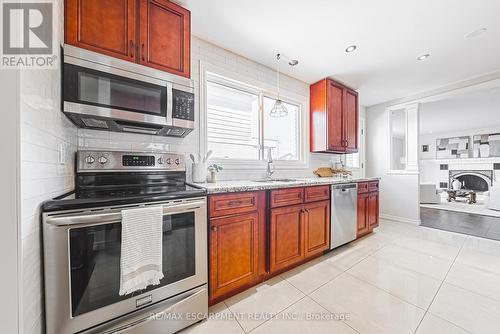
(390, 34)
(470, 111)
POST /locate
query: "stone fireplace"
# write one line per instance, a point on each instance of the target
(477, 180)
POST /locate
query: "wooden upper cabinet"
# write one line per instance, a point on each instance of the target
(286, 237)
(104, 26)
(154, 33)
(333, 118)
(351, 121)
(316, 228)
(233, 252)
(164, 36)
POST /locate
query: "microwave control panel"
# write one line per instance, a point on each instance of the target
(183, 105)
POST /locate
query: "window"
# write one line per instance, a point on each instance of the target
(354, 160)
(281, 134)
(232, 122)
(239, 126)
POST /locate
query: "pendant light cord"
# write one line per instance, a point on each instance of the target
(278, 56)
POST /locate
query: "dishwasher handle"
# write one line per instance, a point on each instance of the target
(345, 187)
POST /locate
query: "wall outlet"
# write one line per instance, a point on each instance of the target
(61, 154)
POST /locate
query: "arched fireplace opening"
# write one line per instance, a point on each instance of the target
(479, 181)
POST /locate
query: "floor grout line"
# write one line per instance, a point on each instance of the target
(277, 313)
(324, 308)
(439, 288)
(234, 316)
(388, 292)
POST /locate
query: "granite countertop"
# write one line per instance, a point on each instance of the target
(246, 185)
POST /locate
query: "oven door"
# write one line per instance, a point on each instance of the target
(82, 264)
(106, 92)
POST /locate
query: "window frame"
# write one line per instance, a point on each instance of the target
(237, 81)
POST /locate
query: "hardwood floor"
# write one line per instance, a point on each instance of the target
(466, 223)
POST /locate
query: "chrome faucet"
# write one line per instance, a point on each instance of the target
(270, 167)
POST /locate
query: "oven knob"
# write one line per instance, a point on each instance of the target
(169, 161)
(177, 161)
(90, 160)
(160, 161)
(102, 160)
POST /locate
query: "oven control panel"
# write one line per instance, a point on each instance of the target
(111, 161)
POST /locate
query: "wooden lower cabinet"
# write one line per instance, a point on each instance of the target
(368, 208)
(363, 227)
(373, 210)
(298, 232)
(250, 241)
(233, 252)
(237, 243)
(316, 228)
(286, 237)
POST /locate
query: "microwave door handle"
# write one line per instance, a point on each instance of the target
(92, 219)
(170, 103)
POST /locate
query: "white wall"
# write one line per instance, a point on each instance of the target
(210, 54)
(399, 193)
(9, 202)
(43, 128)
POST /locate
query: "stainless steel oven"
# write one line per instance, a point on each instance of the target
(82, 271)
(104, 93)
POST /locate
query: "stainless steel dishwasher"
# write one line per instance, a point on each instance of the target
(344, 214)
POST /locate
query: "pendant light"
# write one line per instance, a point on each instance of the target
(278, 109)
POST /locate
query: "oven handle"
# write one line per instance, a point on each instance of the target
(93, 218)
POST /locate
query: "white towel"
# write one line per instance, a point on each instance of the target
(141, 252)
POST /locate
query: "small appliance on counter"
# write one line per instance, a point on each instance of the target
(82, 233)
(106, 93)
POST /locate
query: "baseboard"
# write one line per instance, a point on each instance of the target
(400, 219)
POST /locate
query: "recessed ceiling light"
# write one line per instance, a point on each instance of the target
(476, 33)
(423, 57)
(351, 48)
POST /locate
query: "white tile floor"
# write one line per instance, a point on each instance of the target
(400, 279)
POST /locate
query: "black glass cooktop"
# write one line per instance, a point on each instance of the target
(111, 189)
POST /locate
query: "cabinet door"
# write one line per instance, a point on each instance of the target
(335, 122)
(317, 227)
(165, 36)
(363, 227)
(373, 207)
(233, 253)
(286, 237)
(351, 121)
(104, 26)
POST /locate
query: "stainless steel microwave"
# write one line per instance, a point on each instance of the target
(106, 93)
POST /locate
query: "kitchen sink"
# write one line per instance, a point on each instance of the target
(275, 180)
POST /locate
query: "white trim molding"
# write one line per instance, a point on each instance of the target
(400, 219)
(411, 139)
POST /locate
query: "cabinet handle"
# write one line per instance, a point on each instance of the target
(214, 228)
(142, 51)
(234, 203)
(131, 49)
